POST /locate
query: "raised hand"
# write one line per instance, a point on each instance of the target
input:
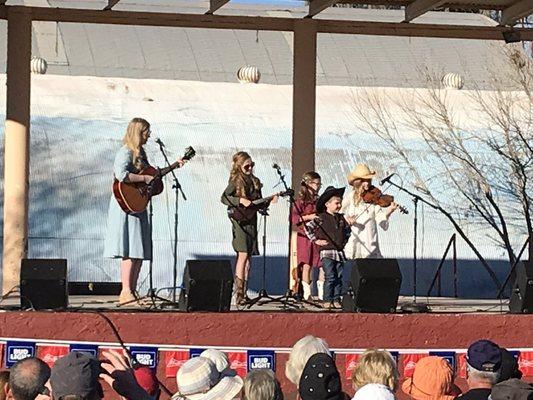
(120, 377)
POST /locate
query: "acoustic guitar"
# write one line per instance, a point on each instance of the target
(241, 213)
(133, 197)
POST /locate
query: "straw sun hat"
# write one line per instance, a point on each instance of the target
(361, 171)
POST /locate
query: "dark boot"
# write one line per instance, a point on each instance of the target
(239, 291)
(246, 298)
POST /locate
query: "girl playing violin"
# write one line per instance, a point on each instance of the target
(243, 188)
(307, 253)
(363, 241)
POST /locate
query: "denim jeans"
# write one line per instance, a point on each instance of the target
(333, 283)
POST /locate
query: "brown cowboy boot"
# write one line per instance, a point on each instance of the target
(239, 291)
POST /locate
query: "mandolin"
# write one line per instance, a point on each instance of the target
(241, 213)
(134, 197)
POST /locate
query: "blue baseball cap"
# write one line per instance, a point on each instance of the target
(484, 355)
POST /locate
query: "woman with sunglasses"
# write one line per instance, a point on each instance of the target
(128, 235)
(243, 188)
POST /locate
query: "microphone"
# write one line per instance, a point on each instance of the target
(276, 166)
(387, 178)
(159, 142)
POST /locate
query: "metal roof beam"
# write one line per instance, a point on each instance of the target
(419, 7)
(110, 4)
(215, 5)
(317, 6)
(518, 10)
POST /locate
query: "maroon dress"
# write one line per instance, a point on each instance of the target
(306, 251)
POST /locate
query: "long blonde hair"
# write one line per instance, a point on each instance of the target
(305, 193)
(132, 140)
(237, 177)
(375, 366)
(357, 191)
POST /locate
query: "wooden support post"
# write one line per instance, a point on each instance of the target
(303, 99)
(16, 147)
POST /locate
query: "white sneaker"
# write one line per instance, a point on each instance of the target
(320, 288)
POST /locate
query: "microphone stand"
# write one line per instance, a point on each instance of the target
(289, 295)
(413, 307)
(177, 190)
(263, 297)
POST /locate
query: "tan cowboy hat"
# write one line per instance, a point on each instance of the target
(361, 171)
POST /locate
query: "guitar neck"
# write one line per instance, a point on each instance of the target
(166, 170)
(263, 200)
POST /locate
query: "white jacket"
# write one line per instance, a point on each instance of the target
(363, 241)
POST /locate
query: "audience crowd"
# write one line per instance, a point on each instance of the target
(492, 374)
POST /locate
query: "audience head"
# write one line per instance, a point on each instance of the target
(199, 379)
(261, 384)
(374, 391)
(75, 377)
(221, 361)
(146, 378)
(484, 360)
(4, 384)
(509, 368)
(512, 389)
(432, 380)
(302, 350)
(375, 366)
(320, 379)
(27, 379)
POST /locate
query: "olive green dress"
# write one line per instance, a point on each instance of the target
(244, 233)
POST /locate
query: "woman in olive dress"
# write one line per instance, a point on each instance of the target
(243, 188)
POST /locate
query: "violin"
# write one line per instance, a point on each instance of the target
(374, 196)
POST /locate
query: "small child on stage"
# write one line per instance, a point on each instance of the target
(330, 231)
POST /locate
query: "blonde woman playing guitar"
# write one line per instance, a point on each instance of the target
(128, 234)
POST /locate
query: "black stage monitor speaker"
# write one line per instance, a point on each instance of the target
(521, 301)
(43, 284)
(374, 286)
(207, 286)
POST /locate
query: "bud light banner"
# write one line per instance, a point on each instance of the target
(195, 352)
(447, 355)
(174, 359)
(50, 354)
(145, 355)
(258, 359)
(16, 351)
(91, 349)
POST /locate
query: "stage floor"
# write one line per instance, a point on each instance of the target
(436, 305)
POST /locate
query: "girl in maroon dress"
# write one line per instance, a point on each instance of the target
(303, 211)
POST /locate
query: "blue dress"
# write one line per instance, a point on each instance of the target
(127, 235)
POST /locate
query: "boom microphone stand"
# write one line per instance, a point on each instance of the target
(177, 190)
(413, 307)
(263, 297)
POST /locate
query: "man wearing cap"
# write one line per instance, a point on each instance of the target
(483, 362)
(75, 376)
